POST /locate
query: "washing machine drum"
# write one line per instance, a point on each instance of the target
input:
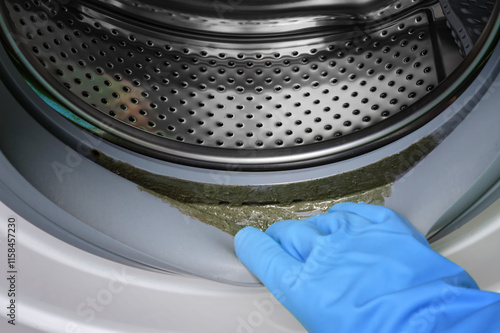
(229, 113)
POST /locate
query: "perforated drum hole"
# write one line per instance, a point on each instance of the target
(223, 81)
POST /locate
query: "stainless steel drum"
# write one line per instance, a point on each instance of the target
(248, 83)
(135, 127)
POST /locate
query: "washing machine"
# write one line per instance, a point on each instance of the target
(137, 137)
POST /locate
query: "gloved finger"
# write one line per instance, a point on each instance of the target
(386, 217)
(297, 238)
(336, 221)
(265, 258)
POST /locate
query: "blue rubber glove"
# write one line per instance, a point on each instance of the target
(364, 268)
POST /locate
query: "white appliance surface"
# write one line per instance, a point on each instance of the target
(60, 288)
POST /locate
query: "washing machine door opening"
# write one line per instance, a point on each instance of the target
(207, 121)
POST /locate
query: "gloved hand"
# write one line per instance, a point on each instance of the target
(364, 268)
